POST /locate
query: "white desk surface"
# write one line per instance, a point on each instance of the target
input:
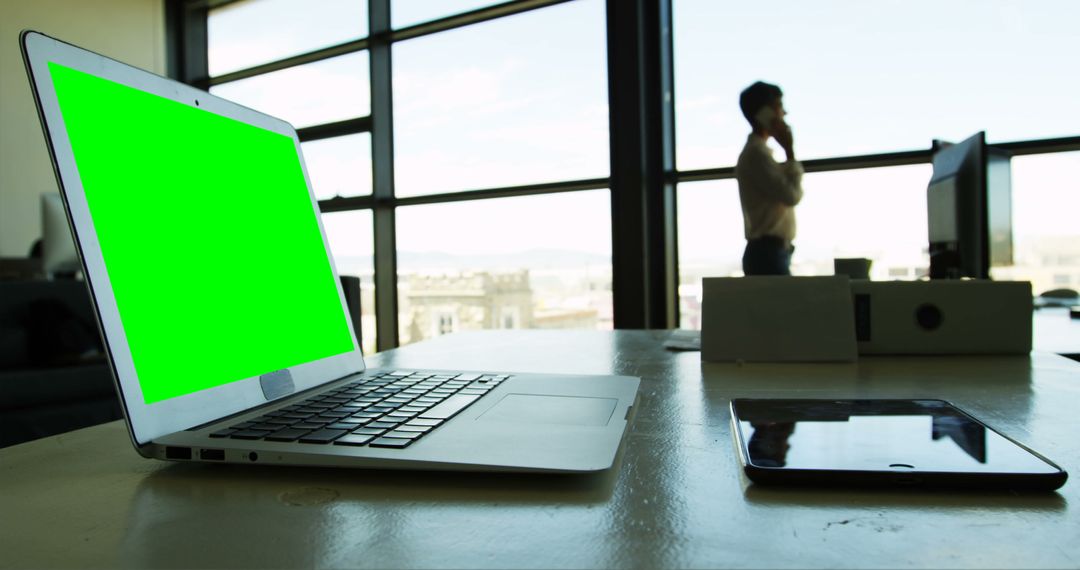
(677, 499)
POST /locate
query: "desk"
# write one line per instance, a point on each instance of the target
(678, 498)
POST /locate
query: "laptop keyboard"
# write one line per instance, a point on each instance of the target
(391, 410)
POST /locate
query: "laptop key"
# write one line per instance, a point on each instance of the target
(288, 434)
(223, 432)
(342, 425)
(368, 431)
(383, 424)
(396, 443)
(399, 434)
(451, 406)
(323, 436)
(415, 429)
(266, 427)
(353, 439)
(424, 422)
(249, 434)
(467, 377)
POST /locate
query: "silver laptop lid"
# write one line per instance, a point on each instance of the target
(200, 240)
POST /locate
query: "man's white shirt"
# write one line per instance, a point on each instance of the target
(768, 191)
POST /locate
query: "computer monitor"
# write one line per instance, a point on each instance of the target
(969, 209)
(58, 255)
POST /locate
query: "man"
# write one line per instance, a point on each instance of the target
(768, 190)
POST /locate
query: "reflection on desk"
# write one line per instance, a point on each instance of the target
(677, 498)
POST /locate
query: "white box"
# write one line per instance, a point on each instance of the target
(777, 319)
(942, 317)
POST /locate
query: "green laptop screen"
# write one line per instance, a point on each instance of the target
(209, 237)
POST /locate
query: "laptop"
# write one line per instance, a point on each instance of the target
(220, 306)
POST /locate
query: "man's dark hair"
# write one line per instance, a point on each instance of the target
(758, 95)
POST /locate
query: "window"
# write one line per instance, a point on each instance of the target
(405, 13)
(352, 244)
(1046, 237)
(545, 261)
(510, 317)
(876, 213)
(863, 78)
(466, 117)
(520, 99)
(339, 166)
(445, 323)
(315, 93)
(251, 32)
(534, 110)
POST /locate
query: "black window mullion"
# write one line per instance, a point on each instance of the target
(642, 214)
(664, 101)
(336, 129)
(186, 38)
(382, 165)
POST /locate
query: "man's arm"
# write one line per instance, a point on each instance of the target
(781, 182)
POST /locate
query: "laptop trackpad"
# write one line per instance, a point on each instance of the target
(538, 409)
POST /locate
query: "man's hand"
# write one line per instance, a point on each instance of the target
(782, 133)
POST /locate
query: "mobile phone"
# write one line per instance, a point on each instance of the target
(928, 443)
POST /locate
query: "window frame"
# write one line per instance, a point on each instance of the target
(643, 178)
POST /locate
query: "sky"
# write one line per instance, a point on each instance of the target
(523, 100)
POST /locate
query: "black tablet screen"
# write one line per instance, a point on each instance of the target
(876, 435)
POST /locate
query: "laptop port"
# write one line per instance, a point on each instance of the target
(212, 454)
(178, 453)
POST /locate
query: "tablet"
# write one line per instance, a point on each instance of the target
(929, 443)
